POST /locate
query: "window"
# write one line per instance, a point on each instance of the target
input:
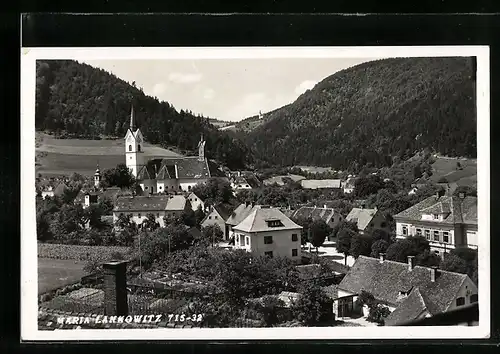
(160, 187)
(418, 232)
(295, 237)
(435, 216)
(189, 188)
(237, 239)
(428, 234)
(139, 215)
(247, 240)
(405, 230)
(130, 158)
(157, 215)
(139, 147)
(215, 216)
(268, 240)
(130, 149)
(382, 225)
(209, 218)
(436, 236)
(294, 252)
(274, 223)
(146, 187)
(460, 301)
(269, 254)
(473, 298)
(446, 237)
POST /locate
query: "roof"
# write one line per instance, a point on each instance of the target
(223, 211)
(385, 280)
(257, 220)
(179, 167)
(238, 214)
(320, 183)
(141, 203)
(415, 306)
(456, 210)
(362, 216)
(60, 189)
(315, 213)
(308, 271)
(279, 179)
(176, 202)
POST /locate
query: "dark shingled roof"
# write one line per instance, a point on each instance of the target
(385, 280)
(150, 170)
(315, 213)
(238, 214)
(456, 210)
(223, 211)
(187, 167)
(414, 307)
(142, 203)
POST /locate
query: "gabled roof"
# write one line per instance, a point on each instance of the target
(315, 213)
(223, 211)
(141, 203)
(60, 189)
(150, 170)
(362, 216)
(176, 203)
(257, 221)
(320, 183)
(414, 307)
(280, 179)
(240, 213)
(458, 210)
(385, 280)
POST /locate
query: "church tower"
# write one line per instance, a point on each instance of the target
(134, 141)
(201, 149)
(97, 177)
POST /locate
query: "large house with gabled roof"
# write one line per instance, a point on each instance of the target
(168, 174)
(410, 292)
(368, 220)
(447, 222)
(217, 215)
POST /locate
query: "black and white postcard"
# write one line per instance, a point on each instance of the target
(255, 193)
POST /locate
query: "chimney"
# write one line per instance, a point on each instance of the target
(381, 257)
(434, 274)
(115, 288)
(411, 263)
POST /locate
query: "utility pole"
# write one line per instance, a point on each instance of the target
(140, 256)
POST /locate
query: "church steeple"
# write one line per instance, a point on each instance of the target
(132, 123)
(97, 176)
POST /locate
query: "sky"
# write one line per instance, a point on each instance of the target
(226, 89)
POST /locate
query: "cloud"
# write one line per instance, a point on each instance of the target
(304, 86)
(185, 78)
(208, 94)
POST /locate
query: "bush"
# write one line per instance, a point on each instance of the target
(378, 313)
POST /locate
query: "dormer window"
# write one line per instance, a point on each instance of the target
(274, 223)
(435, 216)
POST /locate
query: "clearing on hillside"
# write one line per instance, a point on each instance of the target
(461, 171)
(65, 156)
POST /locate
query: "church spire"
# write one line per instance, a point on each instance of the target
(132, 123)
(201, 149)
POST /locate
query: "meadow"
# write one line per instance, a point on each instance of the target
(447, 167)
(65, 156)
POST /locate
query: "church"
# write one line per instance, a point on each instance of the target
(168, 174)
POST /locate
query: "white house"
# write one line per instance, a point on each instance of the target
(367, 219)
(237, 216)
(267, 231)
(329, 215)
(410, 292)
(218, 215)
(321, 183)
(447, 222)
(195, 201)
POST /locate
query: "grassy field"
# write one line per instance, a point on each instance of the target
(55, 273)
(64, 156)
(447, 167)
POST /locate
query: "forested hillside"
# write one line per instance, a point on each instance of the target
(372, 113)
(77, 100)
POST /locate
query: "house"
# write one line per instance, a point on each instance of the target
(240, 183)
(367, 219)
(447, 222)
(409, 291)
(218, 215)
(267, 231)
(92, 196)
(237, 216)
(348, 185)
(321, 183)
(195, 201)
(329, 215)
(169, 174)
(139, 207)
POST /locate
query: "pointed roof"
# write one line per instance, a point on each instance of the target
(240, 213)
(132, 123)
(362, 216)
(257, 220)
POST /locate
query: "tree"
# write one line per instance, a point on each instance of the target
(67, 222)
(364, 186)
(120, 176)
(466, 190)
(214, 191)
(212, 234)
(350, 225)
(378, 313)
(199, 215)
(150, 223)
(379, 246)
(361, 245)
(188, 216)
(454, 263)
(344, 242)
(380, 234)
(270, 310)
(43, 227)
(93, 215)
(313, 306)
(106, 205)
(428, 259)
(410, 246)
(319, 231)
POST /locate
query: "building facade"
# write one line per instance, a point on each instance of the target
(217, 216)
(368, 220)
(447, 222)
(267, 231)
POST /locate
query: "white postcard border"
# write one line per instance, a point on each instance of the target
(29, 287)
